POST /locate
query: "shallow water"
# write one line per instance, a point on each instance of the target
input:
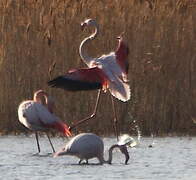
(169, 158)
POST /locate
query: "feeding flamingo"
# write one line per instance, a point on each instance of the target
(87, 146)
(108, 72)
(37, 115)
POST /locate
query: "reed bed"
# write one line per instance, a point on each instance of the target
(161, 35)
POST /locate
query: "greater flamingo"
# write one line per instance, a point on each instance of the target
(86, 146)
(106, 72)
(37, 115)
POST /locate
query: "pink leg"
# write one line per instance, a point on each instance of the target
(37, 140)
(115, 122)
(89, 117)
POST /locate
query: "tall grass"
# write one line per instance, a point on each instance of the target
(162, 39)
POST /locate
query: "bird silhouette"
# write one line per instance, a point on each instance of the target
(108, 72)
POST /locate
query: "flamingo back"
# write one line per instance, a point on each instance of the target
(85, 146)
(35, 116)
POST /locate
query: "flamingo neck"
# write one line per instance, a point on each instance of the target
(82, 51)
(123, 150)
(109, 161)
(41, 97)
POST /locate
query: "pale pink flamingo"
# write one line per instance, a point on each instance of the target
(86, 146)
(37, 115)
(108, 72)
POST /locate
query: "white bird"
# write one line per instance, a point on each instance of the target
(108, 72)
(37, 115)
(86, 146)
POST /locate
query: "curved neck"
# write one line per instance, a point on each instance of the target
(123, 150)
(82, 51)
(109, 161)
(40, 97)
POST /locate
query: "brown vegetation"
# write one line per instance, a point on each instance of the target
(162, 39)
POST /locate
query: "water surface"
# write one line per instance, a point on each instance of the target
(169, 158)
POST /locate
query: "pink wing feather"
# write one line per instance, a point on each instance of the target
(122, 53)
(80, 79)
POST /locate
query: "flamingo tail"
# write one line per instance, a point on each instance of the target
(62, 127)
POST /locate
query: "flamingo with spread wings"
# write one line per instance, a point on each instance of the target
(108, 72)
(37, 115)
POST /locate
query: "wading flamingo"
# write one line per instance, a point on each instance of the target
(108, 72)
(37, 115)
(86, 146)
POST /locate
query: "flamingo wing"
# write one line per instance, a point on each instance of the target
(36, 117)
(117, 79)
(80, 79)
(122, 53)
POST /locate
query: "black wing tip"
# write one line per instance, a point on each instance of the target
(54, 82)
(73, 85)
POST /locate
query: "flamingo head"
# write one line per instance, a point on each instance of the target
(88, 22)
(120, 37)
(61, 152)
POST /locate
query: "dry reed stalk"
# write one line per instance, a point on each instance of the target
(161, 37)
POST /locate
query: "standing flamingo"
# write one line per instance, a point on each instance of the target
(37, 115)
(105, 72)
(87, 146)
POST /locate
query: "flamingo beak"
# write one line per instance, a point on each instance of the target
(83, 25)
(119, 38)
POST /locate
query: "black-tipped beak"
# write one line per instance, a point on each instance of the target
(83, 25)
(118, 38)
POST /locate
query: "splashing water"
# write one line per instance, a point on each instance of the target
(125, 139)
(153, 141)
(136, 128)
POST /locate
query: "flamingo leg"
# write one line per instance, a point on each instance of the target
(115, 122)
(50, 143)
(89, 117)
(37, 140)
